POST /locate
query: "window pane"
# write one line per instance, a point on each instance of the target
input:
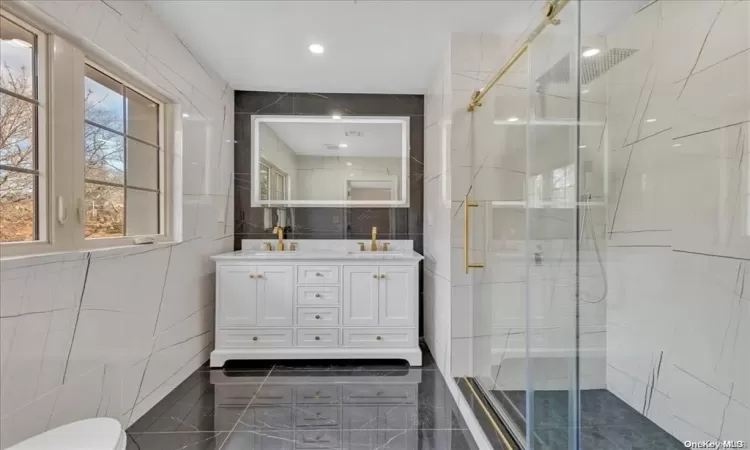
(104, 155)
(104, 210)
(103, 100)
(263, 182)
(17, 206)
(143, 117)
(142, 165)
(142, 212)
(16, 58)
(17, 132)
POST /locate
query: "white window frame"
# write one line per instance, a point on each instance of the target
(60, 135)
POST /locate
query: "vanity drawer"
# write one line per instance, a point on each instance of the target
(315, 395)
(317, 317)
(317, 274)
(312, 439)
(318, 337)
(249, 338)
(318, 416)
(379, 337)
(402, 394)
(269, 394)
(318, 295)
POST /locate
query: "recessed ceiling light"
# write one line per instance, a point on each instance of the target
(185, 115)
(650, 120)
(21, 43)
(590, 52)
(316, 48)
(348, 163)
(343, 145)
(585, 91)
(512, 119)
(336, 116)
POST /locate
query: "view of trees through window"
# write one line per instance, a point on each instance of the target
(19, 171)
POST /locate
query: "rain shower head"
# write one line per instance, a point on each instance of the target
(591, 68)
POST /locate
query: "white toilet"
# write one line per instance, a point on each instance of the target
(89, 434)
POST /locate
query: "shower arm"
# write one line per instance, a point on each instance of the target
(551, 10)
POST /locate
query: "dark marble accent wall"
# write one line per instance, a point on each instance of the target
(328, 223)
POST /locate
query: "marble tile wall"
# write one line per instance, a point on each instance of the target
(111, 332)
(677, 229)
(330, 223)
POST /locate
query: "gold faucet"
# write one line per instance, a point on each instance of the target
(279, 232)
(374, 242)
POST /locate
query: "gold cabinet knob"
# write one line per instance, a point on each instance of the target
(374, 275)
(382, 276)
(252, 275)
(317, 338)
(255, 338)
(260, 275)
(317, 395)
(380, 338)
(318, 274)
(317, 295)
(317, 316)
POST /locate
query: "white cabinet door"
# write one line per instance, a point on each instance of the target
(361, 295)
(237, 296)
(275, 288)
(396, 302)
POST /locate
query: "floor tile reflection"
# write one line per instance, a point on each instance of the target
(387, 406)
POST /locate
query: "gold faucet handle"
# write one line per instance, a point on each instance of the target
(385, 246)
(361, 246)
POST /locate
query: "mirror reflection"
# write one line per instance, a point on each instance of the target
(322, 161)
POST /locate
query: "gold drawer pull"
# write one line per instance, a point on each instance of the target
(374, 275)
(318, 274)
(260, 275)
(255, 338)
(382, 276)
(467, 265)
(317, 338)
(317, 316)
(380, 338)
(252, 275)
(317, 295)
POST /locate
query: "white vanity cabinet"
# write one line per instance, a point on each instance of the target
(309, 306)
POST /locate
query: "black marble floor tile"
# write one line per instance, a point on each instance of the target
(606, 421)
(286, 407)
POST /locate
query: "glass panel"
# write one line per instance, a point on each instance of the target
(551, 401)
(17, 206)
(17, 137)
(142, 165)
(105, 210)
(143, 117)
(16, 58)
(105, 155)
(103, 100)
(142, 212)
(280, 186)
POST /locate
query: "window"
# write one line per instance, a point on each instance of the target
(122, 163)
(102, 162)
(536, 191)
(273, 182)
(563, 192)
(23, 203)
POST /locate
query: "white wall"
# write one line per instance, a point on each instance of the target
(325, 177)
(111, 332)
(678, 315)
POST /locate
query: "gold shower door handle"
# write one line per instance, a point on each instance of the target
(467, 265)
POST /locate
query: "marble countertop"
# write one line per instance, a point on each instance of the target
(255, 255)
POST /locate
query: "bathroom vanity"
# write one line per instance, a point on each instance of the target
(327, 299)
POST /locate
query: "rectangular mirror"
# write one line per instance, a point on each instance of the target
(326, 161)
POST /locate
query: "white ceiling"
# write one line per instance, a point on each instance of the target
(370, 46)
(310, 139)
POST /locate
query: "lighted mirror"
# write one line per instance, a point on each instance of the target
(327, 161)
